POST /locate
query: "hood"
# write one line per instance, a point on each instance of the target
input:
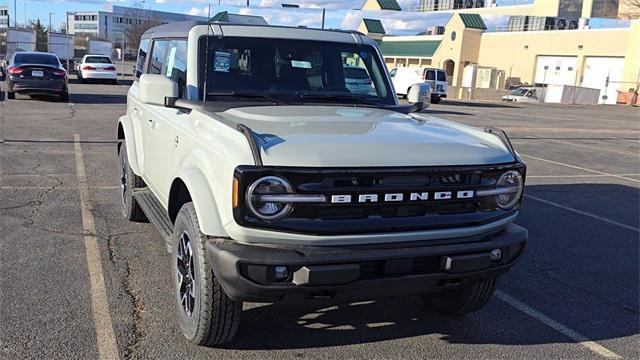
(331, 136)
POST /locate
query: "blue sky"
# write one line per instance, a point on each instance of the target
(342, 14)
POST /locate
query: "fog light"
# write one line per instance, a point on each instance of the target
(496, 254)
(280, 273)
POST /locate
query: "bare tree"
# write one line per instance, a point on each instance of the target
(629, 9)
(136, 22)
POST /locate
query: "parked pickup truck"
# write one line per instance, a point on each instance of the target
(272, 179)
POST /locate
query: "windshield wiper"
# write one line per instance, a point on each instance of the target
(363, 100)
(249, 95)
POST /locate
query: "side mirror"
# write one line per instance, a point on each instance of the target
(420, 95)
(155, 88)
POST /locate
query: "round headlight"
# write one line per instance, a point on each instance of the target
(269, 210)
(511, 180)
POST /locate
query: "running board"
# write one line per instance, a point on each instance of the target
(156, 214)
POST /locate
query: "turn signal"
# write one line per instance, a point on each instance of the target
(235, 193)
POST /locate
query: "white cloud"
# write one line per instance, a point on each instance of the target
(196, 11)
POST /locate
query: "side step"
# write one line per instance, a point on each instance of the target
(156, 214)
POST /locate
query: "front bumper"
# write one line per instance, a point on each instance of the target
(360, 272)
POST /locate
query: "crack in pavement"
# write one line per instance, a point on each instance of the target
(137, 306)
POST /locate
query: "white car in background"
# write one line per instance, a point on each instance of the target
(404, 77)
(97, 67)
(522, 94)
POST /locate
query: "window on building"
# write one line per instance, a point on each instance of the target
(570, 9)
(142, 57)
(605, 9)
(169, 58)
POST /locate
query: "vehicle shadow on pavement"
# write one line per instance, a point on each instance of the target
(99, 99)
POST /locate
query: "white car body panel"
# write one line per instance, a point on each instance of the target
(203, 148)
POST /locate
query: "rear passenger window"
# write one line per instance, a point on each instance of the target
(442, 76)
(142, 57)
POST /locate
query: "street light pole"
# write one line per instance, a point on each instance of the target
(50, 21)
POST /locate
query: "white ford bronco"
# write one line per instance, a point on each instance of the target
(273, 176)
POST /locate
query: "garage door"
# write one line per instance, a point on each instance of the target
(603, 73)
(556, 70)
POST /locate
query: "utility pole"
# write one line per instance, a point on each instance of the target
(50, 21)
(324, 12)
(247, 3)
(15, 14)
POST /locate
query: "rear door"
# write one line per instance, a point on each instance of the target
(430, 78)
(441, 82)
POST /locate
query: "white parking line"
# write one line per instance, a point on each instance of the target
(105, 336)
(594, 147)
(612, 222)
(574, 335)
(580, 168)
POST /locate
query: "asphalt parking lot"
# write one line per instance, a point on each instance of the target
(574, 294)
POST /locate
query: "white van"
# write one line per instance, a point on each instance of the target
(404, 77)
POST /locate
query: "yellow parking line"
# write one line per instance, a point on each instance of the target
(105, 336)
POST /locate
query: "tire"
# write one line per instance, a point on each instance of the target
(64, 96)
(461, 301)
(114, 82)
(206, 315)
(11, 95)
(435, 100)
(129, 181)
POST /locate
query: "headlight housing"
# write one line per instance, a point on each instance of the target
(269, 186)
(513, 182)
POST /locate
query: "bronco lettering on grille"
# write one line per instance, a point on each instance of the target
(396, 197)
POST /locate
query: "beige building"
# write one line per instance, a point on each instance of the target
(605, 59)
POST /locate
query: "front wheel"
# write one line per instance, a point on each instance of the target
(462, 301)
(11, 95)
(207, 316)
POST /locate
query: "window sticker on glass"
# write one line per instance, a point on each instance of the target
(171, 61)
(301, 64)
(222, 61)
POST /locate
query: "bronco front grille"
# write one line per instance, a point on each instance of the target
(380, 216)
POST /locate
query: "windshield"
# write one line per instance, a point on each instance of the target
(97, 60)
(519, 91)
(40, 59)
(295, 69)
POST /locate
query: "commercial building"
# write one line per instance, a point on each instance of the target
(113, 21)
(4, 17)
(533, 49)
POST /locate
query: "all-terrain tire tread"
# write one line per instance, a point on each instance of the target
(224, 318)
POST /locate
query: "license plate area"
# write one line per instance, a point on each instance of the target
(37, 73)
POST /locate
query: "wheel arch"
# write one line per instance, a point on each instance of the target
(125, 135)
(191, 185)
